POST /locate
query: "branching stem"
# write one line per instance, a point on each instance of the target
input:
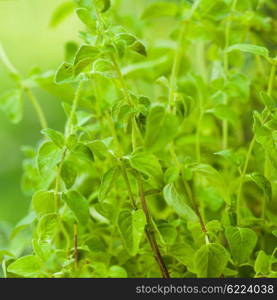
(150, 232)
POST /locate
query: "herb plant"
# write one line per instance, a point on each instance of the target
(167, 166)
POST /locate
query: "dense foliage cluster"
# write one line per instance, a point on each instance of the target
(167, 166)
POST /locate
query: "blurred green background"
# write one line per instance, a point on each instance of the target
(29, 41)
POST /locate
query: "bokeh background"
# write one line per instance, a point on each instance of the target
(29, 41)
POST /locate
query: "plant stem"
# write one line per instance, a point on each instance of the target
(241, 179)
(201, 62)
(225, 125)
(197, 137)
(179, 54)
(150, 233)
(176, 65)
(225, 129)
(76, 100)
(267, 164)
(250, 149)
(68, 131)
(189, 193)
(75, 229)
(37, 107)
(197, 211)
(121, 80)
(227, 36)
(58, 179)
(271, 78)
(4, 58)
(41, 117)
(128, 185)
(119, 150)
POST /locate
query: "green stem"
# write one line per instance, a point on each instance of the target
(41, 117)
(176, 65)
(190, 195)
(197, 137)
(76, 100)
(225, 129)
(75, 233)
(4, 58)
(68, 131)
(267, 165)
(241, 180)
(201, 62)
(58, 180)
(225, 124)
(179, 54)
(38, 109)
(227, 36)
(128, 185)
(250, 149)
(271, 79)
(150, 234)
(121, 80)
(119, 150)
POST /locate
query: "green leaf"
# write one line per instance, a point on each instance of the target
(107, 182)
(55, 136)
(85, 56)
(103, 5)
(242, 242)
(48, 227)
(104, 68)
(184, 254)
(265, 137)
(48, 157)
(11, 103)
(78, 204)
(83, 152)
(268, 101)
(65, 73)
(160, 9)
(231, 156)
(99, 149)
(68, 173)
(224, 112)
(131, 226)
(46, 231)
(262, 263)
(132, 42)
(210, 174)
(117, 272)
(161, 128)
(29, 266)
(263, 183)
(4, 253)
(148, 164)
(256, 50)
(22, 224)
(178, 202)
(210, 260)
(86, 52)
(43, 202)
(62, 12)
(86, 17)
(171, 174)
(70, 51)
(168, 232)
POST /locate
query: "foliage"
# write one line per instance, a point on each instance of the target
(167, 165)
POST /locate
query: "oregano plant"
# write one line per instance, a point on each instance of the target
(167, 164)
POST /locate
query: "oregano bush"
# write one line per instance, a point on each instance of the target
(167, 165)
